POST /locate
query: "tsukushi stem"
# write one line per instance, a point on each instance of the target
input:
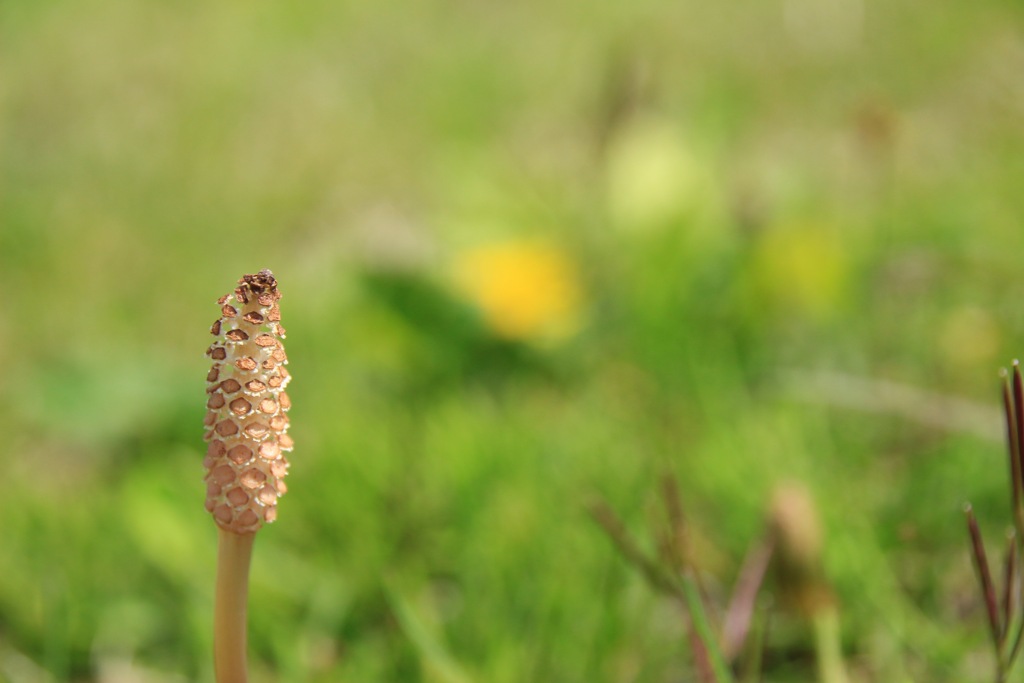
(229, 621)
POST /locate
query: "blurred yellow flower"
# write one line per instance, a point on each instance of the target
(801, 266)
(524, 290)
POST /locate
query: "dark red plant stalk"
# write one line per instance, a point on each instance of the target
(1015, 431)
(1009, 583)
(1012, 441)
(988, 589)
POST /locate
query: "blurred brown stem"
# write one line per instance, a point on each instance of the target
(627, 547)
(675, 551)
(710, 664)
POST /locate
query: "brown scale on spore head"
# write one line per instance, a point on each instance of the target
(247, 428)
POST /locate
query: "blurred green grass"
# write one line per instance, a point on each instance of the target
(749, 194)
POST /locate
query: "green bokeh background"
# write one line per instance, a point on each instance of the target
(797, 230)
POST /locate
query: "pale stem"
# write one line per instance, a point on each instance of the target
(229, 619)
(829, 651)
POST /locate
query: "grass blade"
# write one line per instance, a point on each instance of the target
(702, 626)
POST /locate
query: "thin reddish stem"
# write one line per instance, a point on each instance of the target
(1013, 443)
(1017, 448)
(988, 589)
(1009, 584)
